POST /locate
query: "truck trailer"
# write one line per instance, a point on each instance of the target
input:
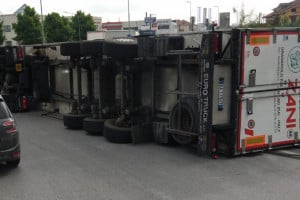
(221, 91)
(228, 91)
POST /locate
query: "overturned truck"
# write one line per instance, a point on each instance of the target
(227, 91)
(238, 93)
(232, 92)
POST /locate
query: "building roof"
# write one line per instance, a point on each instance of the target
(282, 8)
(20, 10)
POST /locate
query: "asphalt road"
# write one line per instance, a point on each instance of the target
(62, 164)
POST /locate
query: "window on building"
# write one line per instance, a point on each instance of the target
(131, 28)
(163, 26)
(293, 9)
(8, 43)
(7, 28)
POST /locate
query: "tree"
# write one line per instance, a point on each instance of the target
(244, 18)
(28, 27)
(297, 23)
(284, 21)
(57, 28)
(2, 37)
(82, 23)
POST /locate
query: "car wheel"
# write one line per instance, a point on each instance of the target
(116, 134)
(73, 121)
(93, 126)
(13, 163)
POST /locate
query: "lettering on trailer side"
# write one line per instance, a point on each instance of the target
(291, 104)
(203, 97)
(278, 94)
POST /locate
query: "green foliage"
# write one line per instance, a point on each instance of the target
(82, 23)
(245, 18)
(284, 21)
(57, 28)
(297, 23)
(28, 27)
(2, 37)
(276, 21)
(258, 25)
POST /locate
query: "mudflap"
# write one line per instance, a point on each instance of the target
(142, 133)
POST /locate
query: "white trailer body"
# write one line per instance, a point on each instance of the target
(270, 90)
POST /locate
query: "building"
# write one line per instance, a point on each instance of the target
(290, 10)
(10, 19)
(9, 33)
(162, 26)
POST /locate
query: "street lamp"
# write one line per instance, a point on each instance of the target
(191, 24)
(129, 35)
(79, 35)
(42, 18)
(190, 8)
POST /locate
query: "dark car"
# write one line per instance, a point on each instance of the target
(9, 137)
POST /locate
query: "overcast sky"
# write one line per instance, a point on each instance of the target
(117, 10)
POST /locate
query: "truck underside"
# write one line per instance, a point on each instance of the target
(227, 91)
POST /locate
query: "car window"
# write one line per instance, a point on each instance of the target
(4, 112)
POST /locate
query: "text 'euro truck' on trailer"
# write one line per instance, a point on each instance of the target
(269, 92)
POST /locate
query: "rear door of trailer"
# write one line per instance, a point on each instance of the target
(269, 94)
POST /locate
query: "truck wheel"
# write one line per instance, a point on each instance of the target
(92, 48)
(73, 121)
(116, 134)
(187, 121)
(121, 48)
(93, 126)
(13, 163)
(70, 49)
(10, 79)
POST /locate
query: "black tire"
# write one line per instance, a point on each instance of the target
(10, 78)
(93, 126)
(92, 48)
(116, 134)
(188, 120)
(13, 163)
(73, 121)
(2, 61)
(70, 49)
(121, 48)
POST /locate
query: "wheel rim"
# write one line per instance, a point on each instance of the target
(184, 123)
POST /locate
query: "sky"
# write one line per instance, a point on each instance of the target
(117, 10)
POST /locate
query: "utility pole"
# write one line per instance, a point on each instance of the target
(191, 25)
(129, 35)
(42, 18)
